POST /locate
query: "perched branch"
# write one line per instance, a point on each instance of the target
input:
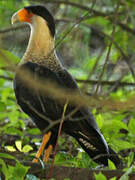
(61, 172)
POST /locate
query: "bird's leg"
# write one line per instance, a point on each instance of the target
(45, 140)
(47, 153)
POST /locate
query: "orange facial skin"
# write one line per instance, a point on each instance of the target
(24, 15)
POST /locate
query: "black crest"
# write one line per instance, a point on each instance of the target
(44, 13)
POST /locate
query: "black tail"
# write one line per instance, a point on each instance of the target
(90, 138)
(96, 147)
(115, 159)
(94, 144)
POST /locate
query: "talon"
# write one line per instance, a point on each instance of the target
(47, 153)
(45, 140)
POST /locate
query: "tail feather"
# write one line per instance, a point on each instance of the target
(94, 145)
(115, 159)
(90, 138)
(97, 148)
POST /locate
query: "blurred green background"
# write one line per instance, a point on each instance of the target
(103, 75)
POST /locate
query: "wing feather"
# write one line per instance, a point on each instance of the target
(44, 109)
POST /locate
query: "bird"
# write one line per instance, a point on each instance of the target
(40, 61)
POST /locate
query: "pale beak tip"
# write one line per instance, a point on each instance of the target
(14, 18)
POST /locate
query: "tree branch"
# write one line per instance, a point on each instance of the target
(109, 49)
(95, 12)
(61, 172)
(14, 28)
(109, 83)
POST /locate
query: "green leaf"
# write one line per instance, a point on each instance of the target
(19, 145)
(99, 120)
(12, 131)
(5, 93)
(114, 178)
(19, 171)
(130, 158)
(2, 107)
(79, 155)
(4, 169)
(10, 148)
(100, 176)
(131, 126)
(8, 156)
(27, 148)
(7, 57)
(34, 131)
(111, 165)
(123, 144)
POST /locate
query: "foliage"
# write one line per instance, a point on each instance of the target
(84, 52)
(13, 173)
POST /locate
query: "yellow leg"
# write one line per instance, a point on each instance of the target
(44, 142)
(47, 153)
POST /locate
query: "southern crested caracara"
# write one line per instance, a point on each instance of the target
(41, 62)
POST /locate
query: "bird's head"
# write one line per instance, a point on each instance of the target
(28, 15)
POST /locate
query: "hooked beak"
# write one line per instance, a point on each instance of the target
(22, 16)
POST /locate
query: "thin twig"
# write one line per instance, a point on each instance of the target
(94, 68)
(109, 50)
(56, 146)
(78, 21)
(95, 12)
(125, 57)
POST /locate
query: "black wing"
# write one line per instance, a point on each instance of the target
(43, 108)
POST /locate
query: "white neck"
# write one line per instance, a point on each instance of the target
(41, 42)
(41, 46)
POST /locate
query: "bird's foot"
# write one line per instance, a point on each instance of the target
(45, 140)
(47, 153)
